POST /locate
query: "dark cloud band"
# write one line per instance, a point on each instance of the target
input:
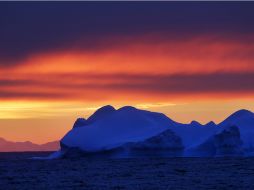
(88, 84)
(34, 27)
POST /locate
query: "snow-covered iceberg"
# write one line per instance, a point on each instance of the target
(224, 143)
(231, 137)
(166, 140)
(128, 131)
(165, 144)
(228, 142)
(244, 120)
(108, 129)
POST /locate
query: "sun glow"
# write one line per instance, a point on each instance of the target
(40, 109)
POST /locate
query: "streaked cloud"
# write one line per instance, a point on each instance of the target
(189, 60)
(154, 105)
(42, 109)
(89, 87)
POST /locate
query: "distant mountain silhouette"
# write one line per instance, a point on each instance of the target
(9, 146)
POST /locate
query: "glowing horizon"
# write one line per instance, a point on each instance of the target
(197, 67)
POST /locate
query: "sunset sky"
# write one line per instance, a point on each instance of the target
(63, 60)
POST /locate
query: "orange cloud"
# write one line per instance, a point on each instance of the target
(139, 68)
(197, 54)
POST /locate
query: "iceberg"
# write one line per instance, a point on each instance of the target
(232, 137)
(131, 132)
(108, 129)
(224, 143)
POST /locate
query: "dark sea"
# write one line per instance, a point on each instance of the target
(18, 171)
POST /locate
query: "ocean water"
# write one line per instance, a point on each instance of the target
(18, 171)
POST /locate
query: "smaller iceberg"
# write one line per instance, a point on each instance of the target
(225, 143)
